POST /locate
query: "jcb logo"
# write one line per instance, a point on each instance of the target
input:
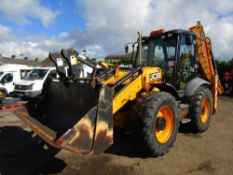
(155, 76)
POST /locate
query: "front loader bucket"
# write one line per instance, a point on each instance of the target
(72, 116)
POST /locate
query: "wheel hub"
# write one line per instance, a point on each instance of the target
(202, 110)
(160, 123)
(205, 111)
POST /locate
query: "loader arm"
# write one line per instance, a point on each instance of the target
(206, 60)
(129, 92)
(139, 79)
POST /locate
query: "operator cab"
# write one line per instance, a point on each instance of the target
(174, 52)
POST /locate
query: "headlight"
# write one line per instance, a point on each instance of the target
(30, 86)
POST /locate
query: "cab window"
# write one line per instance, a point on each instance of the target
(145, 52)
(186, 59)
(158, 57)
(7, 78)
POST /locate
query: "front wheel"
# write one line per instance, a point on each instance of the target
(159, 123)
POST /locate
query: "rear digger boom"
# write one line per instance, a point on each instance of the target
(165, 87)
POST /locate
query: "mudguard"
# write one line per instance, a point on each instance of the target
(193, 85)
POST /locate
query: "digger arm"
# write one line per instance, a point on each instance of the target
(206, 60)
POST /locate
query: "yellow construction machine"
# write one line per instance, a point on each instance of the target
(173, 79)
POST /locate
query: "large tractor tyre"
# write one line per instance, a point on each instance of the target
(158, 123)
(201, 109)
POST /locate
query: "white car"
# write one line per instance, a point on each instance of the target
(32, 84)
(9, 74)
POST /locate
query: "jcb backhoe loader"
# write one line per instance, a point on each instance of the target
(174, 79)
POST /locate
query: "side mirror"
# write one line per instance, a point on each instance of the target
(3, 81)
(126, 49)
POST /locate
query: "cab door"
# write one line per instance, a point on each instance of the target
(170, 69)
(186, 61)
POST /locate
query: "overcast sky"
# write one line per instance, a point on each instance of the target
(36, 27)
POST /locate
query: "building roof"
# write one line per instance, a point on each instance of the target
(47, 62)
(7, 60)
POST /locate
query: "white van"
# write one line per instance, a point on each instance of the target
(32, 84)
(9, 74)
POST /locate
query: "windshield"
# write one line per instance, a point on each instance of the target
(36, 74)
(156, 50)
(24, 73)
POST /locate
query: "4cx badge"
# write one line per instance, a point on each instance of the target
(155, 76)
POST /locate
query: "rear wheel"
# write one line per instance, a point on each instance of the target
(201, 109)
(159, 123)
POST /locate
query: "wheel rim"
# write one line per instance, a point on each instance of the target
(205, 110)
(164, 124)
(2, 95)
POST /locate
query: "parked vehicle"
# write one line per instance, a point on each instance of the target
(228, 79)
(32, 84)
(9, 74)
